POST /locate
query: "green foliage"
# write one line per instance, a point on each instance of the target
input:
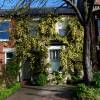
(83, 92)
(9, 73)
(5, 92)
(32, 45)
(71, 57)
(74, 80)
(58, 77)
(96, 79)
(41, 79)
(12, 68)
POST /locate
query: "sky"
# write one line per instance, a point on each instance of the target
(12, 3)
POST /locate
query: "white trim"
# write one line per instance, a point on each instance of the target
(5, 20)
(5, 58)
(8, 49)
(36, 19)
(54, 47)
(4, 39)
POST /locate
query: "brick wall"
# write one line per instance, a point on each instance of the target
(6, 44)
(97, 1)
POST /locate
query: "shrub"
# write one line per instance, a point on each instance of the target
(10, 72)
(96, 79)
(83, 92)
(74, 79)
(5, 92)
(41, 79)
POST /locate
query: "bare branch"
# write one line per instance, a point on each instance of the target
(44, 2)
(60, 7)
(76, 10)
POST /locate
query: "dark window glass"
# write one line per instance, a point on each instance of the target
(54, 54)
(4, 27)
(62, 32)
(9, 55)
(4, 35)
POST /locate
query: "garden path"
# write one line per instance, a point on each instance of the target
(42, 93)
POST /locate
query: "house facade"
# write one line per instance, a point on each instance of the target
(7, 46)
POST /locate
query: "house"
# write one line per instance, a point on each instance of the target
(7, 45)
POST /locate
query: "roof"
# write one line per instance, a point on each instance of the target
(38, 11)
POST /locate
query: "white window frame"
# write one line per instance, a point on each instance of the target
(53, 48)
(8, 20)
(7, 50)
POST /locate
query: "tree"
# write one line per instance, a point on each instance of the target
(84, 11)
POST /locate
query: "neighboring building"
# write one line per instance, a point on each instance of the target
(6, 25)
(6, 45)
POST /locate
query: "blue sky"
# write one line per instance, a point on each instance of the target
(12, 3)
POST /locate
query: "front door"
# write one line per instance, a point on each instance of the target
(54, 59)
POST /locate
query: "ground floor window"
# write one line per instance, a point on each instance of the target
(9, 53)
(55, 55)
(9, 56)
(54, 58)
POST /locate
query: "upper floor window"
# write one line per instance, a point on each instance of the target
(4, 30)
(99, 27)
(61, 28)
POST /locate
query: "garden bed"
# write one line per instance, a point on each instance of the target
(5, 92)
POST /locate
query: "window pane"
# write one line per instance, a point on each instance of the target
(8, 60)
(4, 26)
(62, 32)
(54, 54)
(9, 55)
(4, 35)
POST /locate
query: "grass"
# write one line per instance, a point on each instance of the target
(5, 92)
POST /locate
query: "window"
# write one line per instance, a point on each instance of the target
(99, 27)
(54, 55)
(4, 27)
(62, 32)
(61, 28)
(34, 28)
(9, 55)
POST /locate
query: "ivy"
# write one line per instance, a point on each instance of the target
(32, 45)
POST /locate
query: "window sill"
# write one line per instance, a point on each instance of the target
(4, 40)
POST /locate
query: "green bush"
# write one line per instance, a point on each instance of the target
(41, 79)
(83, 92)
(5, 92)
(10, 72)
(96, 79)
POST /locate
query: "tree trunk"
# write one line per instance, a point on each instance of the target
(87, 67)
(93, 45)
